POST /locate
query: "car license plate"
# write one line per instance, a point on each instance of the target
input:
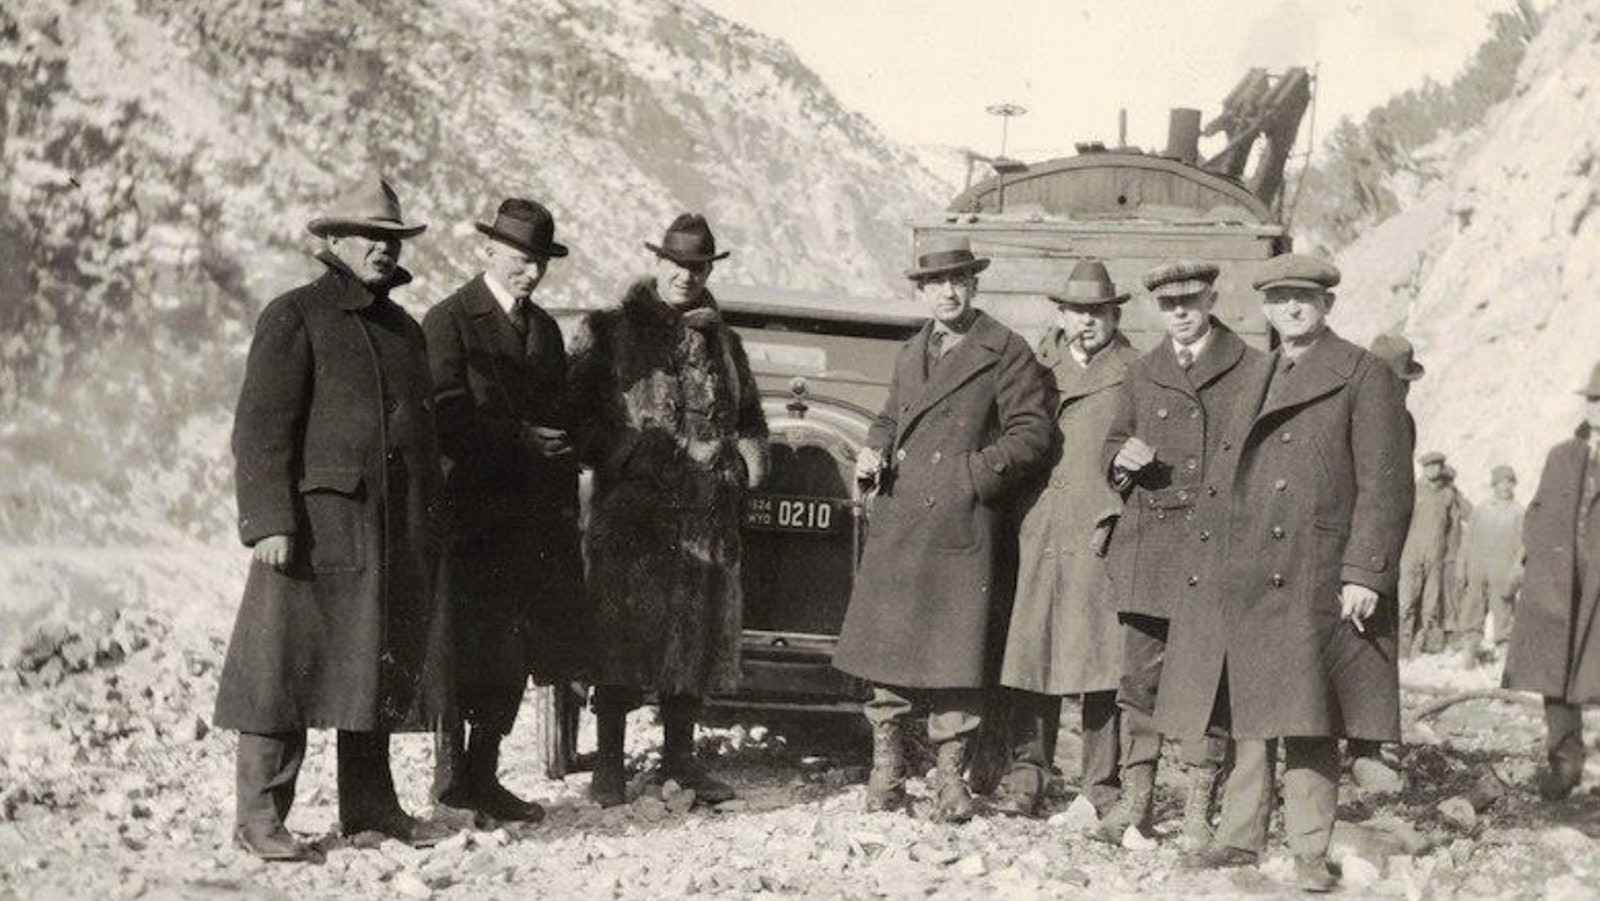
(789, 513)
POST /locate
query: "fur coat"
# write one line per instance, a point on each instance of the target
(669, 418)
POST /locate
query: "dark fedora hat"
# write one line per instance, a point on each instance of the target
(1399, 354)
(946, 255)
(1089, 285)
(370, 206)
(525, 225)
(688, 240)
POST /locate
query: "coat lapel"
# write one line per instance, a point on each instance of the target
(1163, 369)
(1106, 369)
(491, 321)
(978, 351)
(1222, 354)
(1323, 369)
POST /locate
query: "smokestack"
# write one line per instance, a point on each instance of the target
(1122, 128)
(1183, 135)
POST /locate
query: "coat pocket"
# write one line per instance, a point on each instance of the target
(335, 505)
(954, 511)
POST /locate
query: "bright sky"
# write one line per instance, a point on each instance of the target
(924, 70)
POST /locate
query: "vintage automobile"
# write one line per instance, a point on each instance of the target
(824, 362)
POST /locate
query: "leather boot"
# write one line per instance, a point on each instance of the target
(272, 843)
(608, 787)
(886, 784)
(952, 800)
(678, 760)
(1133, 808)
(488, 795)
(1199, 804)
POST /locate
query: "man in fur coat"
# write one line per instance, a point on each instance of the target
(1555, 645)
(336, 464)
(668, 415)
(512, 569)
(967, 421)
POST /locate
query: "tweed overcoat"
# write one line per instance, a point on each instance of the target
(512, 569)
(334, 444)
(1064, 636)
(1321, 496)
(669, 416)
(1167, 540)
(934, 587)
(1555, 643)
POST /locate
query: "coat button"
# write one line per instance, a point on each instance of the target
(1211, 491)
(1281, 485)
(1049, 552)
(1205, 535)
(998, 466)
(900, 454)
(391, 405)
(1278, 533)
(937, 457)
(1161, 514)
(928, 501)
(1286, 437)
(1057, 483)
(1277, 580)
(1194, 412)
(1191, 464)
(1193, 581)
(1227, 445)
(905, 407)
(1152, 503)
(1183, 495)
(1161, 413)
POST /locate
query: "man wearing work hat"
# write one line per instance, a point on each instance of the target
(1162, 454)
(1491, 565)
(512, 570)
(1297, 644)
(966, 424)
(1064, 638)
(668, 415)
(1555, 647)
(336, 465)
(1436, 523)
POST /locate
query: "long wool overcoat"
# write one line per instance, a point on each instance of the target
(1555, 642)
(1064, 637)
(1163, 549)
(512, 567)
(669, 416)
(334, 444)
(934, 587)
(1321, 496)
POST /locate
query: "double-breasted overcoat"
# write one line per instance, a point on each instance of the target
(334, 444)
(1555, 644)
(1169, 536)
(669, 416)
(1321, 495)
(512, 567)
(934, 587)
(1064, 637)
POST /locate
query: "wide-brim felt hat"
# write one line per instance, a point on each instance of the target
(1400, 355)
(946, 255)
(1181, 278)
(525, 225)
(1593, 388)
(1089, 285)
(372, 205)
(1296, 270)
(688, 240)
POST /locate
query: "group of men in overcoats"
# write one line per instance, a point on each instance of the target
(1203, 541)
(410, 495)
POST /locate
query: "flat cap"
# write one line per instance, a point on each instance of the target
(1296, 270)
(1502, 473)
(1431, 457)
(1180, 278)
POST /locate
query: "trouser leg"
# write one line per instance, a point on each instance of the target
(1564, 737)
(954, 713)
(266, 769)
(1310, 794)
(1433, 611)
(1035, 719)
(1500, 609)
(366, 785)
(1102, 749)
(1410, 608)
(449, 760)
(1247, 799)
(1143, 653)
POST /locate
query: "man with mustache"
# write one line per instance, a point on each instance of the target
(1064, 638)
(336, 465)
(512, 568)
(1162, 454)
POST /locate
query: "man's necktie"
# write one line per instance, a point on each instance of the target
(1185, 358)
(935, 348)
(522, 316)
